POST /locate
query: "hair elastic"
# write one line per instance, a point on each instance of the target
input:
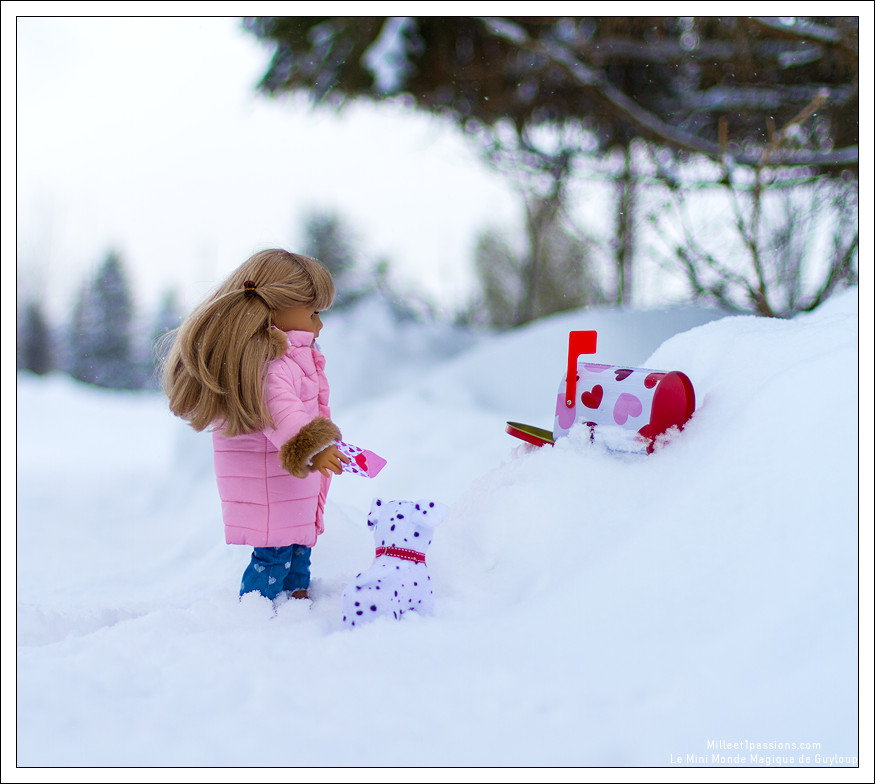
(249, 289)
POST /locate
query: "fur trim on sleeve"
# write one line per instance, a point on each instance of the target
(311, 439)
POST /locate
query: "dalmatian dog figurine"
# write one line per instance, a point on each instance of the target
(398, 580)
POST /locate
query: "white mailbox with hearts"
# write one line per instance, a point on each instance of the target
(611, 398)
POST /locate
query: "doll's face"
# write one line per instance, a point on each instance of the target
(300, 317)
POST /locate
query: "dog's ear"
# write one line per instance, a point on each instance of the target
(376, 506)
(431, 513)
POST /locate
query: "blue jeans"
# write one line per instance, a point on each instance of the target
(275, 569)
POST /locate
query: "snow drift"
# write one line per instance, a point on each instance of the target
(693, 607)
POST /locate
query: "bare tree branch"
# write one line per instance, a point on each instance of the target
(803, 29)
(645, 121)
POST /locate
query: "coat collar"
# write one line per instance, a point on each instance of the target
(299, 338)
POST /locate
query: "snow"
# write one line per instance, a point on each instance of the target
(592, 609)
(386, 58)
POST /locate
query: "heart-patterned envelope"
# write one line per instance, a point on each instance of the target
(362, 461)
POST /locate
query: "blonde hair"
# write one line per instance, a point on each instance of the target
(214, 371)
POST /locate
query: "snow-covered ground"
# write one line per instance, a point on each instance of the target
(698, 606)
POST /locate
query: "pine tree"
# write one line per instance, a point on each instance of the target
(101, 330)
(328, 239)
(34, 341)
(167, 319)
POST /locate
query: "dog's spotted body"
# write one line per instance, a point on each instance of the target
(398, 580)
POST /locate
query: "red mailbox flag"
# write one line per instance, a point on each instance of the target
(579, 342)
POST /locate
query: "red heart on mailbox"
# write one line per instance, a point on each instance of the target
(593, 398)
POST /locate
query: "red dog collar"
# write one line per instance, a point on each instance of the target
(401, 552)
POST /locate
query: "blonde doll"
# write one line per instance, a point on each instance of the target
(245, 364)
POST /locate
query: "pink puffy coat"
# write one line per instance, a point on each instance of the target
(263, 503)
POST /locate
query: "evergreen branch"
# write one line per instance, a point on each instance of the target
(642, 119)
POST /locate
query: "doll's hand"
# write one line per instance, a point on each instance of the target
(329, 459)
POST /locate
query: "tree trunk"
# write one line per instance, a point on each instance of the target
(624, 238)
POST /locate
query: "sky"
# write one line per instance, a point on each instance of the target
(146, 136)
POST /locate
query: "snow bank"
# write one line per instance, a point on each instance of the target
(592, 609)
